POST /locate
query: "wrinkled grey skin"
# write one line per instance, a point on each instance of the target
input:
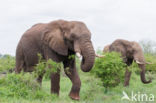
(57, 40)
(130, 51)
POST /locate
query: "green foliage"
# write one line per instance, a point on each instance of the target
(92, 91)
(40, 67)
(151, 59)
(46, 67)
(22, 88)
(110, 69)
(71, 56)
(21, 85)
(7, 63)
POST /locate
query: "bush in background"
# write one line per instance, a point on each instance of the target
(24, 85)
(110, 69)
(150, 59)
(7, 63)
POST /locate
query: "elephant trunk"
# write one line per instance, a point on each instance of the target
(88, 55)
(142, 74)
(140, 60)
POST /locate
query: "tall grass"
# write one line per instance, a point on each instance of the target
(23, 88)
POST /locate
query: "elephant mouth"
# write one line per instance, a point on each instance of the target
(81, 57)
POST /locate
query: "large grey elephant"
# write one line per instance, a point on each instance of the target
(57, 40)
(130, 51)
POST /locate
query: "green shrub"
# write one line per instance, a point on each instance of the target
(110, 69)
(21, 85)
(151, 59)
(46, 67)
(7, 63)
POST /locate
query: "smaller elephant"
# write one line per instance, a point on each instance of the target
(130, 51)
(106, 48)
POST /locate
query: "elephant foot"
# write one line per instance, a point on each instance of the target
(74, 96)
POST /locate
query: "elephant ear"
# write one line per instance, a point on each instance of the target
(54, 39)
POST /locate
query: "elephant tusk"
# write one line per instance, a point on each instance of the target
(78, 55)
(148, 63)
(99, 56)
(139, 62)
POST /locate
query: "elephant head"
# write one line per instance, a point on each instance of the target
(64, 36)
(140, 60)
(106, 48)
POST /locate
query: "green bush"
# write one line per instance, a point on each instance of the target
(7, 63)
(150, 59)
(110, 69)
(21, 85)
(46, 67)
(24, 85)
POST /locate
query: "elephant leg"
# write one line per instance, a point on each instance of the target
(55, 82)
(19, 66)
(72, 73)
(127, 77)
(39, 78)
(31, 69)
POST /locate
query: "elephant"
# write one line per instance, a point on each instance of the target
(106, 48)
(130, 51)
(57, 40)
